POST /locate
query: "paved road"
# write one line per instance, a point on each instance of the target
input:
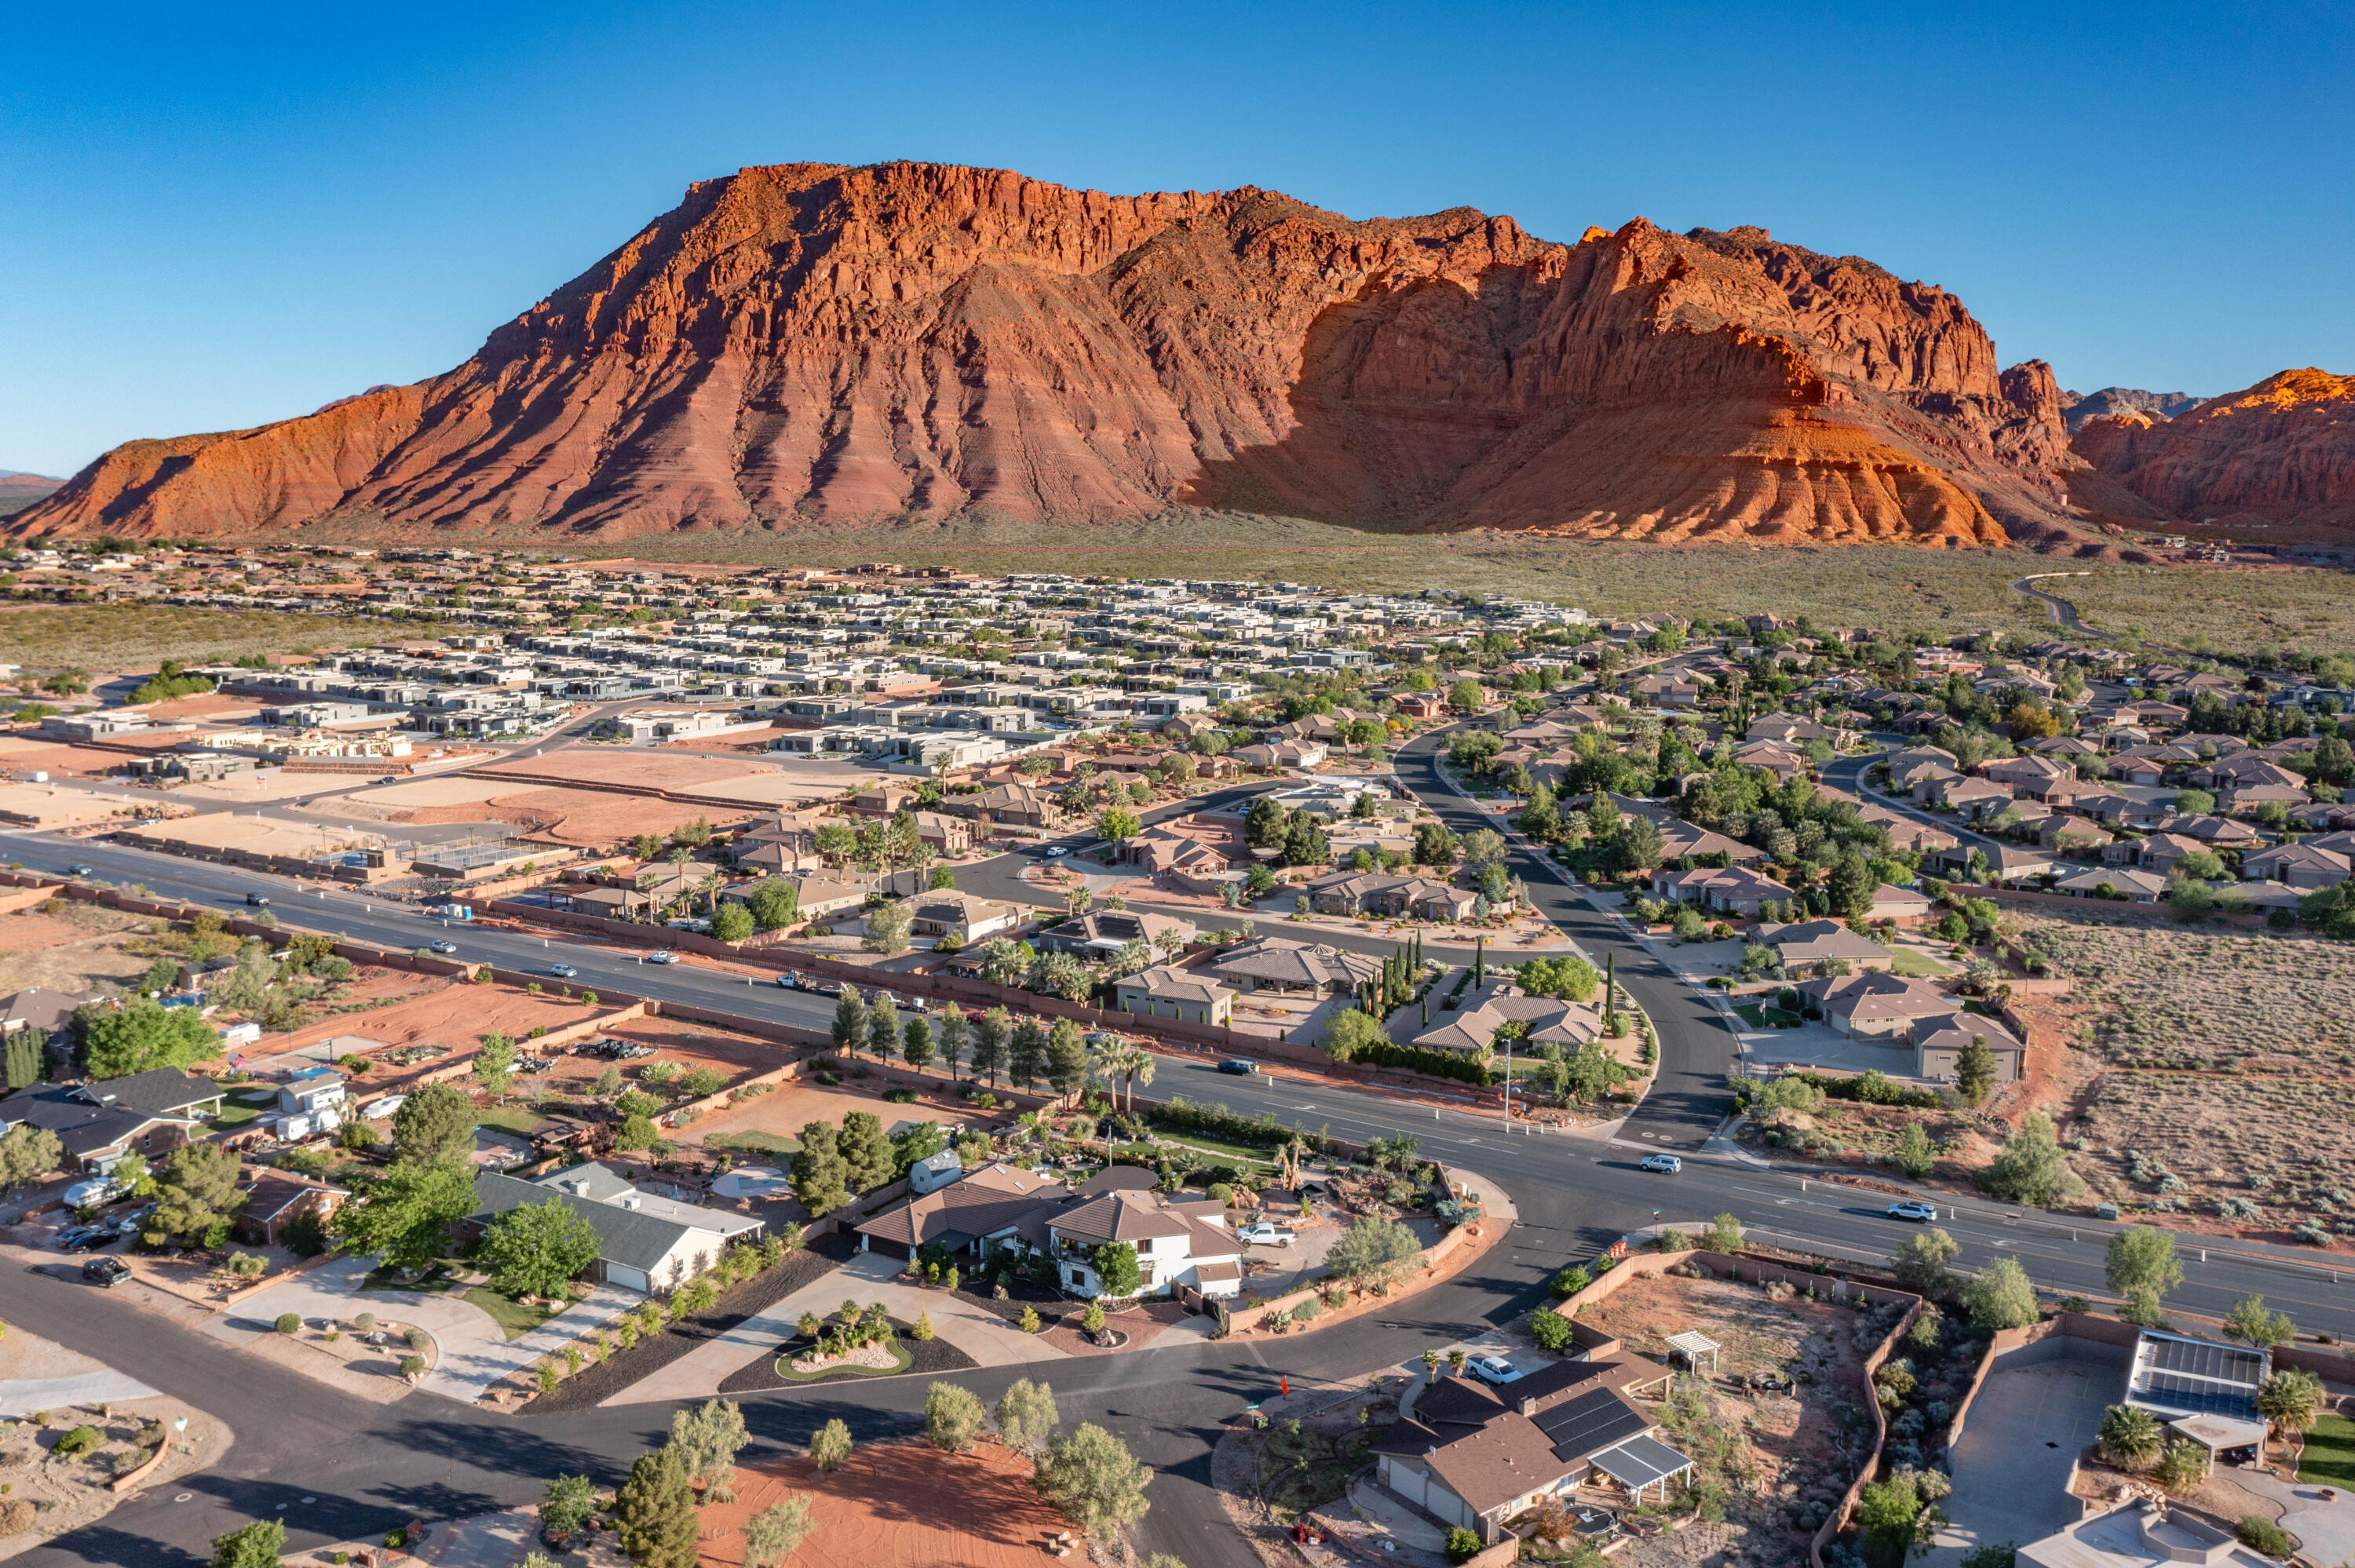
(2060, 610)
(366, 1468)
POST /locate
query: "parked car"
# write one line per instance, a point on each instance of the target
(1914, 1209)
(563, 972)
(78, 869)
(1268, 1233)
(91, 1237)
(1668, 1162)
(73, 1236)
(443, 947)
(259, 900)
(106, 1272)
(662, 956)
(1496, 1369)
(1056, 852)
(1238, 1067)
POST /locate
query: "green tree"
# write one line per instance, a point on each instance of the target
(403, 1218)
(916, 1044)
(1922, 1262)
(433, 1125)
(26, 1051)
(771, 1535)
(2131, 1437)
(883, 1026)
(707, 1441)
(887, 930)
(27, 1153)
(2031, 1167)
(566, 1508)
(2141, 1266)
(2251, 1322)
(1025, 1416)
(1067, 1058)
(866, 1152)
(829, 1446)
(732, 923)
(774, 903)
(1975, 1071)
(992, 1032)
(197, 1192)
(1118, 824)
(2000, 1297)
(1115, 1266)
(495, 1065)
(1026, 1053)
(2181, 1467)
(1466, 696)
(953, 1415)
(538, 1248)
(2290, 1401)
(1352, 1032)
(1725, 1235)
(850, 1026)
(1092, 1478)
(653, 1513)
(1895, 1520)
(1914, 1155)
(821, 1178)
(257, 1545)
(1852, 887)
(143, 1037)
(1371, 1248)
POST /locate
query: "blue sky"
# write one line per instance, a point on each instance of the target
(215, 221)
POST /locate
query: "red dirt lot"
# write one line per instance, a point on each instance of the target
(578, 817)
(448, 1014)
(630, 768)
(687, 1045)
(895, 1505)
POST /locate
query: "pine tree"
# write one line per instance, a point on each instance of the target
(654, 1514)
(850, 1021)
(990, 1037)
(1026, 1053)
(25, 1049)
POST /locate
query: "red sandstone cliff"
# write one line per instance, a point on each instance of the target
(809, 342)
(2283, 453)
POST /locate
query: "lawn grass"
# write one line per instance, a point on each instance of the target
(900, 1361)
(509, 1119)
(433, 1282)
(754, 1142)
(515, 1319)
(234, 1115)
(2329, 1457)
(1906, 961)
(1244, 1153)
(1759, 1016)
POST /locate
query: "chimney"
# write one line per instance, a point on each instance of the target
(1528, 1406)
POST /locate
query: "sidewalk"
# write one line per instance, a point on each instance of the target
(869, 1276)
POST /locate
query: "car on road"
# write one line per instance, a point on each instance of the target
(441, 947)
(1268, 1233)
(1668, 1162)
(106, 1272)
(1238, 1067)
(1914, 1209)
(1496, 1369)
(78, 869)
(662, 956)
(1056, 852)
(563, 972)
(259, 900)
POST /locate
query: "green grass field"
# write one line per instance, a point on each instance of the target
(756, 1142)
(515, 1319)
(2329, 1458)
(1759, 1016)
(1906, 961)
(519, 1119)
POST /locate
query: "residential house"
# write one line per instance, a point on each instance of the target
(2160, 853)
(985, 1206)
(1101, 933)
(1780, 760)
(1875, 1006)
(2120, 882)
(1731, 890)
(882, 801)
(2032, 777)
(2299, 865)
(1176, 1244)
(605, 903)
(1806, 942)
(274, 1198)
(1286, 968)
(943, 834)
(1940, 1040)
(1903, 905)
(39, 1007)
(1375, 893)
(961, 918)
(1473, 1456)
(1167, 990)
(101, 1123)
(1681, 842)
(1969, 797)
(645, 1241)
(1018, 805)
(1543, 1020)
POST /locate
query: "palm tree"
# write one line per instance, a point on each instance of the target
(2290, 1401)
(2131, 1437)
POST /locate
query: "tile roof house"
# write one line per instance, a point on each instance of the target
(967, 917)
(1473, 1031)
(1875, 1006)
(1818, 941)
(1681, 840)
(1166, 991)
(2121, 881)
(101, 1123)
(1379, 893)
(988, 1204)
(645, 1241)
(1734, 890)
(2298, 865)
(1271, 963)
(1176, 1245)
(1101, 933)
(1475, 1456)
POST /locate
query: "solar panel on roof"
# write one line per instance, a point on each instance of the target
(1579, 1427)
(2202, 1360)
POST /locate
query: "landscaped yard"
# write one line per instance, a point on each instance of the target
(509, 1119)
(1760, 1015)
(515, 1319)
(1912, 962)
(753, 1142)
(2329, 1458)
(1256, 1158)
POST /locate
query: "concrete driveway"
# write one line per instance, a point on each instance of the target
(474, 1352)
(2011, 1468)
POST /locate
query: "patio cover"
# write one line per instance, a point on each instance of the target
(1640, 1462)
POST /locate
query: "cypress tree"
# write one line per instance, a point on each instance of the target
(654, 1514)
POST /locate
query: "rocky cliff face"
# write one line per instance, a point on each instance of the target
(813, 343)
(2079, 409)
(2283, 453)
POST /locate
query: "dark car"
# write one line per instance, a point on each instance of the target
(1238, 1067)
(78, 869)
(106, 1272)
(259, 900)
(93, 1238)
(73, 1236)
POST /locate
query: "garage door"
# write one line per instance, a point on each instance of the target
(628, 1278)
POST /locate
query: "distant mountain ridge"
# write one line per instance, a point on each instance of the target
(2281, 453)
(2078, 408)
